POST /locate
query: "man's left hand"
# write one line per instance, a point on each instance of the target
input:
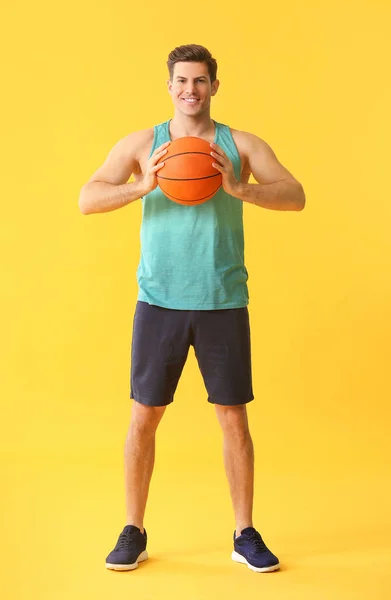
(225, 166)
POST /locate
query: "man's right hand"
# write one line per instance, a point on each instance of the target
(149, 181)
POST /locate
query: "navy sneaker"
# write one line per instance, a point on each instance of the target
(250, 549)
(129, 551)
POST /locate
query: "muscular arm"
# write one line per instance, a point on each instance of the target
(108, 190)
(276, 188)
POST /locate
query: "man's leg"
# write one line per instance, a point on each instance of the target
(238, 461)
(140, 459)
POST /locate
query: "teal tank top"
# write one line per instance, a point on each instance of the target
(192, 257)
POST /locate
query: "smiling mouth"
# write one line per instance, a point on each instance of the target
(190, 100)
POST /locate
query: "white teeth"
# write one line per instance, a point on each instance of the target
(192, 100)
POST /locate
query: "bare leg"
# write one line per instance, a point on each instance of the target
(238, 462)
(140, 459)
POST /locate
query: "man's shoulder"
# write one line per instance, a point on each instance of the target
(249, 142)
(137, 143)
(245, 137)
(139, 137)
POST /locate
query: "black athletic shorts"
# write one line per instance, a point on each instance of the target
(160, 345)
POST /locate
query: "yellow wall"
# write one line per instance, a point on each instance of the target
(309, 78)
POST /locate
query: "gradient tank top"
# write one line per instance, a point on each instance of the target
(192, 257)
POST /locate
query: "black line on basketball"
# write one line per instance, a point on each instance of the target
(181, 153)
(188, 179)
(197, 199)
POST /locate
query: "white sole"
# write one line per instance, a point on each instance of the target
(240, 559)
(143, 556)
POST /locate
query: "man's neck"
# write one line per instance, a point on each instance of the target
(202, 126)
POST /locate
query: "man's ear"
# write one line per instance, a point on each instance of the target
(169, 85)
(215, 87)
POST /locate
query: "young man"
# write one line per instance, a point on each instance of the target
(192, 291)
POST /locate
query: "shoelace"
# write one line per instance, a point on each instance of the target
(257, 541)
(124, 539)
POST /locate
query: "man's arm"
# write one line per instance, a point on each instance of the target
(108, 189)
(276, 189)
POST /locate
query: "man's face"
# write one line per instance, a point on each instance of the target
(191, 88)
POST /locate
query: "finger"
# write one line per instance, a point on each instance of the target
(154, 158)
(221, 156)
(157, 167)
(221, 162)
(218, 167)
(218, 156)
(161, 147)
(217, 149)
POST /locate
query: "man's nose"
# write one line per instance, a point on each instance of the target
(190, 88)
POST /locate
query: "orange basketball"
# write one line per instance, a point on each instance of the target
(188, 176)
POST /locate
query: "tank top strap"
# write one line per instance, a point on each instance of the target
(161, 134)
(225, 140)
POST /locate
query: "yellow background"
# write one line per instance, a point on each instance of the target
(312, 79)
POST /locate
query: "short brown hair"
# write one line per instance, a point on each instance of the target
(192, 53)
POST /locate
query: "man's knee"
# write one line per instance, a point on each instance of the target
(233, 418)
(145, 419)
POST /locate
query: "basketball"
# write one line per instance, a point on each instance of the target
(188, 176)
